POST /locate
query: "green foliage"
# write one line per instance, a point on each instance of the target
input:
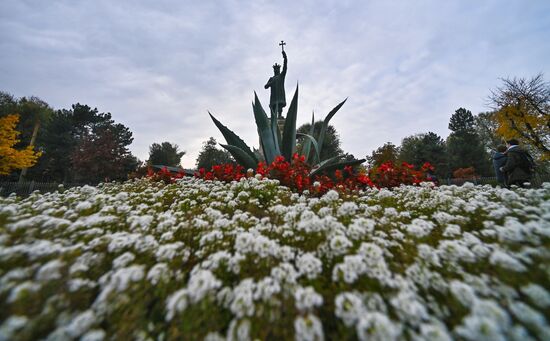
(462, 121)
(210, 155)
(388, 152)
(103, 155)
(83, 145)
(522, 112)
(324, 127)
(268, 137)
(464, 145)
(8, 104)
(231, 138)
(165, 154)
(331, 142)
(486, 126)
(273, 145)
(427, 147)
(289, 131)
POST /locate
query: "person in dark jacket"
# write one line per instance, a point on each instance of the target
(517, 167)
(499, 160)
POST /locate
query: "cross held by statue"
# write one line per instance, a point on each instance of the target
(282, 45)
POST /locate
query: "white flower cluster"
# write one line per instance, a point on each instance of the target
(251, 260)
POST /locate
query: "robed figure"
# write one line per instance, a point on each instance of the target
(277, 100)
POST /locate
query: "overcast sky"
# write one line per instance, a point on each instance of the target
(159, 66)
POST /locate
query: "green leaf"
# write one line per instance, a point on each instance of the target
(329, 167)
(241, 156)
(310, 140)
(306, 148)
(324, 127)
(289, 131)
(233, 139)
(275, 130)
(271, 149)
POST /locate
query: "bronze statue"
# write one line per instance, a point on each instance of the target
(277, 100)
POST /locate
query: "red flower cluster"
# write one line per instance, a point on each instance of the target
(227, 172)
(343, 181)
(295, 175)
(465, 173)
(390, 175)
(164, 175)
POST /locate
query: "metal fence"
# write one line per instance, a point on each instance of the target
(535, 182)
(25, 188)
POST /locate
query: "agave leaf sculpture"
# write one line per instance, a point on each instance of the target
(274, 144)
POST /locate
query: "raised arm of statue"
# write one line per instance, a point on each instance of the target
(284, 63)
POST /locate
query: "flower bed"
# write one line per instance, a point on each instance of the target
(296, 175)
(208, 259)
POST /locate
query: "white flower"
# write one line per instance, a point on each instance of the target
(167, 252)
(306, 299)
(491, 309)
(177, 302)
(123, 260)
(350, 269)
(201, 283)
(21, 289)
(78, 283)
(360, 227)
(451, 230)
(529, 316)
(159, 272)
(309, 265)
(408, 308)
(122, 278)
(419, 228)
(538, 295)
(347, 209)
(463, 292)
(93, 335)
(308, 328)
(374, 326)
(11, 325)
(243, 299)
(284, 273)
(479, 328)
(349, 308)
(50, 271)
(507, 261)
(214, 336)
(340, 244)
(83, 206)
(330, 196)
(455, 251)
(266, 288)
(434, 332)
(81, 323)
(239, 330)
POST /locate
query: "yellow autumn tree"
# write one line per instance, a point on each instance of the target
(11, 158)
(523, 112)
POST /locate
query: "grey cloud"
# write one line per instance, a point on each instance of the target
(158, 67)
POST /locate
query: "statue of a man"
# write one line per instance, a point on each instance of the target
(277, 101)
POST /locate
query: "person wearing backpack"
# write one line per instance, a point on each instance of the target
(499, 160)
(518, 167)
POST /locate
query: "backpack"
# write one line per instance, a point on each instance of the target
(528, 164)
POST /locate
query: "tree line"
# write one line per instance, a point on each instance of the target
(520, 110)
(79, 144)
(82, 145)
